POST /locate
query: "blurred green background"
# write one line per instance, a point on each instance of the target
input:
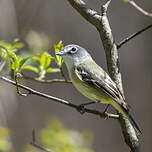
(39, 25)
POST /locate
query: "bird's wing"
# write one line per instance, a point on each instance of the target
(101, 81)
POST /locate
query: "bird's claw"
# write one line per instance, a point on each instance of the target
(106, 115)
(81, 108)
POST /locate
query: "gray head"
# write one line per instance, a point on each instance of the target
(74, 54)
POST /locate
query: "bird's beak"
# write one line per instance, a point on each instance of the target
(61, 53)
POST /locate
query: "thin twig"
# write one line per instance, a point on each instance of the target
(17, 88)
(139, 8)
(133, 35)
(61, 101)
(104, 8)
(35, 144)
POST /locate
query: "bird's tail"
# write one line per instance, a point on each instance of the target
(136, 127)
(124, 110)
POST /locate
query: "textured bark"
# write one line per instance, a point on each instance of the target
(102, 25)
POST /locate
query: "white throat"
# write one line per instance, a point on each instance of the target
(71, 63)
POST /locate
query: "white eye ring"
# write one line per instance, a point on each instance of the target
(73, 49)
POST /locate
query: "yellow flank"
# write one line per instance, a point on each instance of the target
(91, 92)
(88, 91)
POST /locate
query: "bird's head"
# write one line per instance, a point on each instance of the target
(74, 54)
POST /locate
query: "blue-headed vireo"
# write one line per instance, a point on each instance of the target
(92, 81)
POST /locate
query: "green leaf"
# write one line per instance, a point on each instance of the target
(13, 56)
(5, 45)
(22, 62)
(37, 59)
(15, 61)
(45, 60)
(12, 47)
(58, 48)
(49, 70)
(18, 62)
(53, 58)
(13, 66)
(17, 46)
(31, 68)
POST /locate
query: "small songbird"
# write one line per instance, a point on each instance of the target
(92, 81)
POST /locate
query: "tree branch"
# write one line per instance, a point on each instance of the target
(139, 8)
(110, 48)
(89, 14)
(133, 36)
(58, 100)
(102, 25)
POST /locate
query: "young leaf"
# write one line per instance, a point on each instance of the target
(15, 61)
(5, 45)
(31, 68)
(18, 63)
(13, 56)
(45, 60)
(58, 48)
(53, 58)
(49, 70)
(23, 61)
(13, 66)
(36, 58)
(17, 46)
(13, 47)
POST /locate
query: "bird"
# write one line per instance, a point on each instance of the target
(92, 81)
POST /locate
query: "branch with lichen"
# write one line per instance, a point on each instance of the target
(102, 25)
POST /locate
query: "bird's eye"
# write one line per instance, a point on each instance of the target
(73, 50)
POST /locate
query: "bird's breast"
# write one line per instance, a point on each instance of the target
(88, 90)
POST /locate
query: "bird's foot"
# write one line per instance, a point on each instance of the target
(106, 116)
(105, 112)
(81, 107)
